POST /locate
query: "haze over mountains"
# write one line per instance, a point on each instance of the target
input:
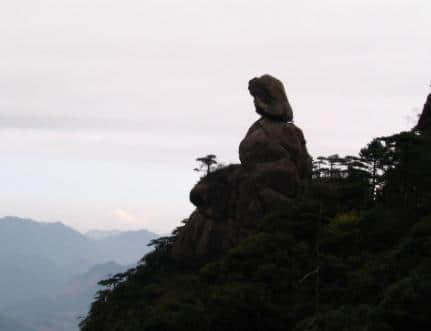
(49, 272)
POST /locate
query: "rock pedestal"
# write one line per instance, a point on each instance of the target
(275, 168)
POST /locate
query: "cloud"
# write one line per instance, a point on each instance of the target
(124, 216)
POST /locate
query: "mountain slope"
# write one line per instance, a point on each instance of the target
(353, 253)
(62, 308)
(312, 265)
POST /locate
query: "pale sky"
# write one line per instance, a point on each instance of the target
(104, 105)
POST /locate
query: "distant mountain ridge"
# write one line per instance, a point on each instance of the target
(67, 248)
(7, 324)
(102, 234)
(61, 309)
(40, 259)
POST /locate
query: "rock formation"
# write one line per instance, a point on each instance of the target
(274, 148)
(275, 167)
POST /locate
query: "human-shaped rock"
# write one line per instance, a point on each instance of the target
(274, 169)
(274, 147)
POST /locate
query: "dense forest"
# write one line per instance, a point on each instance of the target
(353, 252)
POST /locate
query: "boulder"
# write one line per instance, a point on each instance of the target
(223, 199)
(268, 141)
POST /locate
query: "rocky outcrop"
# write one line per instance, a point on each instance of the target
(273, 146)
(275, 168)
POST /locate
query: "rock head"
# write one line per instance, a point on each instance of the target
(275, 168)
(270, 98)
(273, 144)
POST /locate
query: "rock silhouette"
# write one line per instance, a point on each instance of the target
(270, 98)
(275, 168)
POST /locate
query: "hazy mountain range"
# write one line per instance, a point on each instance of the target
(49, 272)
(7, 324)
(101, 234)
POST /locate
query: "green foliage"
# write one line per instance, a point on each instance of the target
(423, 227)
(343, 233)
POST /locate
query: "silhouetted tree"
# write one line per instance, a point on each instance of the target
(375, 156)
(320, 167)
(207, 163)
